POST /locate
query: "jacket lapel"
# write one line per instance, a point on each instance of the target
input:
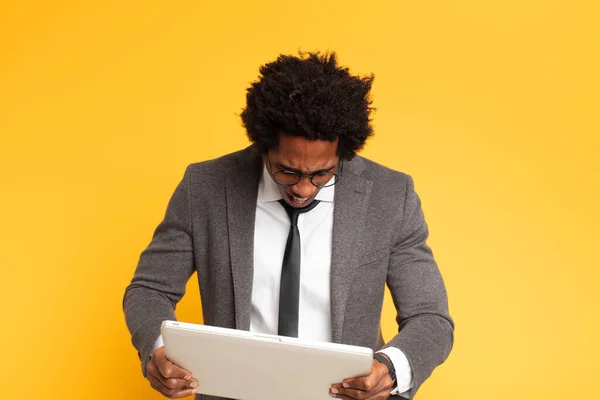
(242, 190)
(352, 195)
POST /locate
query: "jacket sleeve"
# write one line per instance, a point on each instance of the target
(426, 330)
(161, 275)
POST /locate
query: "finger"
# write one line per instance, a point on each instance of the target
(158, 386)
(171, 383)
(360, 394)
(168, 392)
(364, 388)
(341, 396)
(178, 384)
(184, 393)
(353, 394)
(336, 391)
(342, 392)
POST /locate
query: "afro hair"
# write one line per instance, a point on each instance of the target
(311, 96)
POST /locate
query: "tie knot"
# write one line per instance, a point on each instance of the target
(293, 212)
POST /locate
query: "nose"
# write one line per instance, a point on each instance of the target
(304, 188)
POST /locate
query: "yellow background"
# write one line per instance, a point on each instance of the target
(492, 106)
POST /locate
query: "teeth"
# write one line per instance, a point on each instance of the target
(299, 200)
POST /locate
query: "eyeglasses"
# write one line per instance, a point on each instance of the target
(288, 177)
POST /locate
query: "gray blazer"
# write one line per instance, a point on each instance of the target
(379, 237)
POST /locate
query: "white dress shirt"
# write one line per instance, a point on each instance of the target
(271, 231)
(272, 226)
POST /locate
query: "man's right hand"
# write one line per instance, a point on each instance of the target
(169, 379)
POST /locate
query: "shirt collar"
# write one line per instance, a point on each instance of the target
(268, 191)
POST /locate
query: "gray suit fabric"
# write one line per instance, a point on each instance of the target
(379, 238)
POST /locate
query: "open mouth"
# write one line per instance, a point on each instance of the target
(298, 201)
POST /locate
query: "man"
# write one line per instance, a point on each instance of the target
(296, 235)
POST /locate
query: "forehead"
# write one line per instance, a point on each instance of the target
(300, 153)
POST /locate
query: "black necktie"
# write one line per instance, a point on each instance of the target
(289, 291)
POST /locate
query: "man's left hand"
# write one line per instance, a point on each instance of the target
(376, 385)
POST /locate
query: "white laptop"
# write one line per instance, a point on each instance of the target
(251, 366)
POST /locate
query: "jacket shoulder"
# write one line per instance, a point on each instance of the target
(222, 161)
(381, 175)
(238, 159)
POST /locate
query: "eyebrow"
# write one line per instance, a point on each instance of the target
(319, 171)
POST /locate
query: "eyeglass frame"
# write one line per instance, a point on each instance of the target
(300, 175)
